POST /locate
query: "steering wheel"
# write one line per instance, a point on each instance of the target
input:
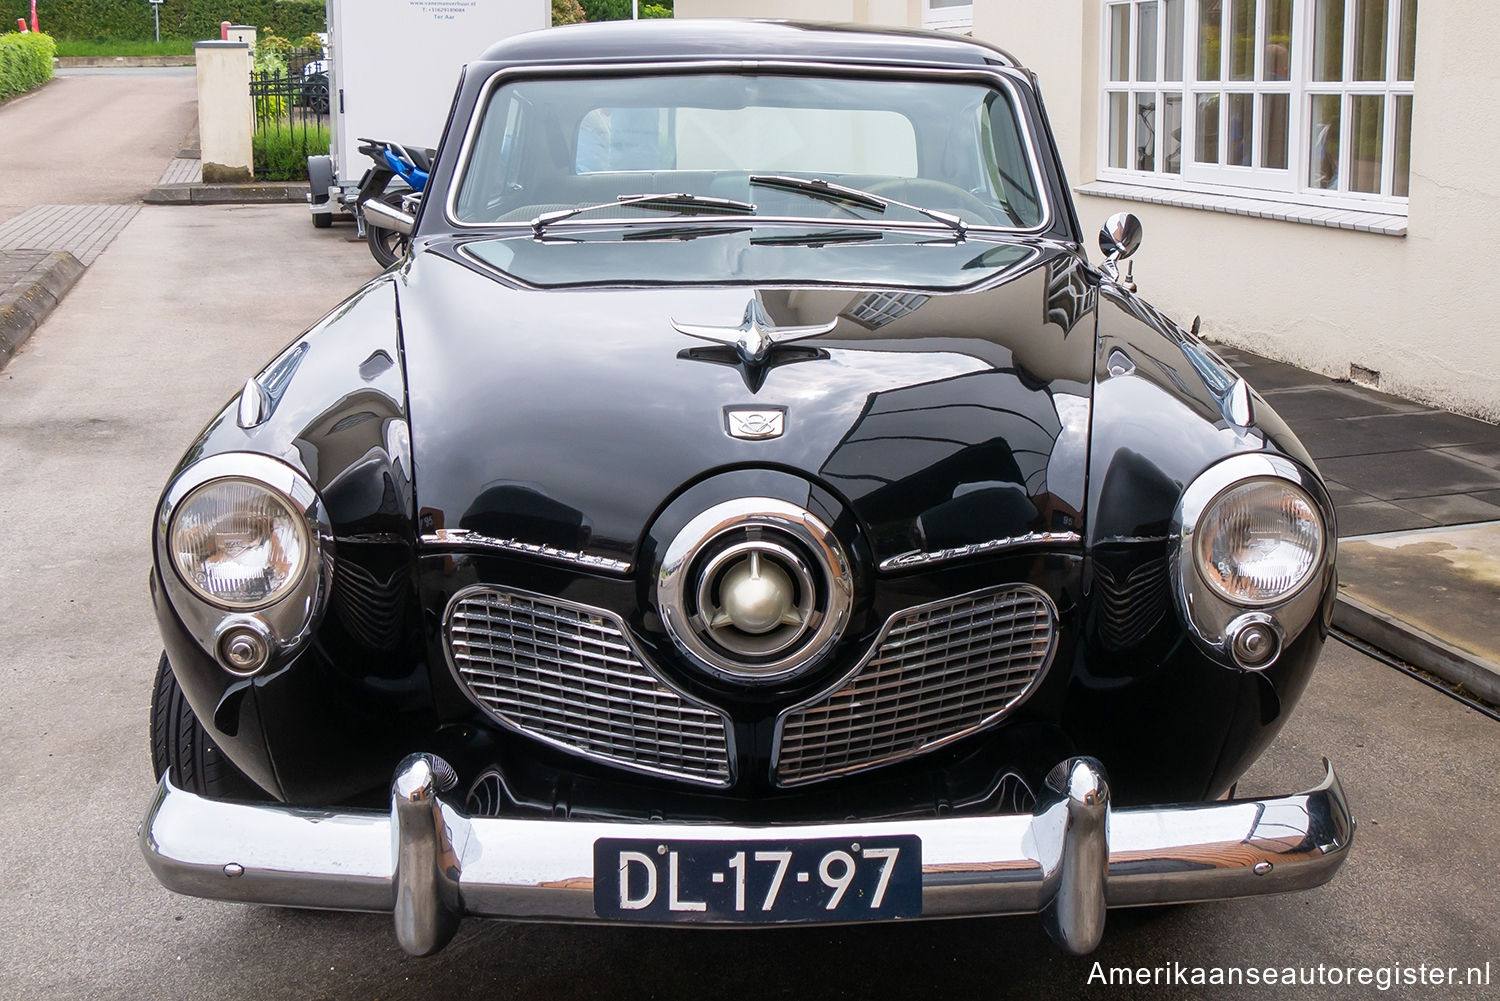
(934, 194)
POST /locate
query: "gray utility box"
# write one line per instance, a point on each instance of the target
(393, 67)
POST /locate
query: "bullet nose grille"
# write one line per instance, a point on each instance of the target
(938, 672)
(569, 675)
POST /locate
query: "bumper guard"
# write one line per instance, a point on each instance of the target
(430, 864)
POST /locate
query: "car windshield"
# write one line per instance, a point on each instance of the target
(951, 147)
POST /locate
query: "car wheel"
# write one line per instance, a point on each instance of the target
(181, 747)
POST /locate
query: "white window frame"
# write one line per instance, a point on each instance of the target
(1289, 185)
(957, 18)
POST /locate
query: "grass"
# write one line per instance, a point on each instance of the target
(114, 47)
(281, 154)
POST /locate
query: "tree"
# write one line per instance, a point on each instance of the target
(567, 12)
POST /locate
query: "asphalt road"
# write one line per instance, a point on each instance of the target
(95, 411)
(93, 138)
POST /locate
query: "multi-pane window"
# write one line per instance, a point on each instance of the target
(1309, 99)
(948, 15)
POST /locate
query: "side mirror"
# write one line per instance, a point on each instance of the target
(1120, 237)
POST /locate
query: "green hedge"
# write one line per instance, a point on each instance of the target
(194, 20)
(619, 10)
(567, 12)
(25, 62)
(281, 152)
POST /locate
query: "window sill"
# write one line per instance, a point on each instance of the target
(1380, 223)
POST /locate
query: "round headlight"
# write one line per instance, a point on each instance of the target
(1259, 542)
(238, 544)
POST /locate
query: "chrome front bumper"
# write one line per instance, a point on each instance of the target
(430, 864)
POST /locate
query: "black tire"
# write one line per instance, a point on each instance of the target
(386, 245)
(182, 748)
(322, 220)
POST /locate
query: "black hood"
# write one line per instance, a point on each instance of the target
(943, 414)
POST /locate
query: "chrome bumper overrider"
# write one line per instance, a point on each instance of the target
(430, 864)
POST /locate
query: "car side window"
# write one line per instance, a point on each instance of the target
(499, 153)
(1003, 140)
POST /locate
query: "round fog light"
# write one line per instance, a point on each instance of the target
(243, 649)
(1254, 642)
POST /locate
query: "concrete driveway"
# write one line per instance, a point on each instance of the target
(93, 137)
(94, 413)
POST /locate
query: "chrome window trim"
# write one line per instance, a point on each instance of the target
(1208, 616)
(646, 663)
(289, 620)
(1021, 267)
(990, 77)
(781, 718)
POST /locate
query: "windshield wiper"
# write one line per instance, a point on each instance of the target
(822, 239)
(674, 202)
(822, 189)
(681, 234)
(819, 188)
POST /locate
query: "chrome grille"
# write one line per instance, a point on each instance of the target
(371, 609)
(1131, 601)
(936, 673)
(568, 674)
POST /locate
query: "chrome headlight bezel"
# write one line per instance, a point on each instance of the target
(1212, 618)
(287, 619)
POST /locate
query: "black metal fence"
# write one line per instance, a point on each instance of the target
(289, 92)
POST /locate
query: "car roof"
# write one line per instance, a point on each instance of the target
(666, 39)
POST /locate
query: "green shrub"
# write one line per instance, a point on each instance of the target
(270, 69)
(25, 62)
(619, 10)
(567, 12)
(272, 48)
(297, 18)
(193, 20)
(606, 10)
(269, 108)
(280, 154)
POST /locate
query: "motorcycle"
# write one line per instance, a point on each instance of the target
(396, 181)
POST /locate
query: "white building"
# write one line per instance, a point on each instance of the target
(1320, 179)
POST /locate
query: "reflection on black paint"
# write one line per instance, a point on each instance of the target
(524, 511)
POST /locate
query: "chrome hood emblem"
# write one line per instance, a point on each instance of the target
(755, 425)
(756, 335)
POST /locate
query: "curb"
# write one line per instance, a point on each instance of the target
(1418, 648)
(90, 62)
(227, 194)
(25, 306)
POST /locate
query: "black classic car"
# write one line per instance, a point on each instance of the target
(745, 503)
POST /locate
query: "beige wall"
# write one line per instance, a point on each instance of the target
(895, 12)
(1423, 310)
(1419, 310)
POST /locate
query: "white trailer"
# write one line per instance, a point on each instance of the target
(393, 67)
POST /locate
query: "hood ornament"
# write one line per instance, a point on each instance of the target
(756, 336)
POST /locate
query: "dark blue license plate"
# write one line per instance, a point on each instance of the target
(825, 879)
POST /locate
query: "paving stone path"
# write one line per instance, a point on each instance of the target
(82, 230)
